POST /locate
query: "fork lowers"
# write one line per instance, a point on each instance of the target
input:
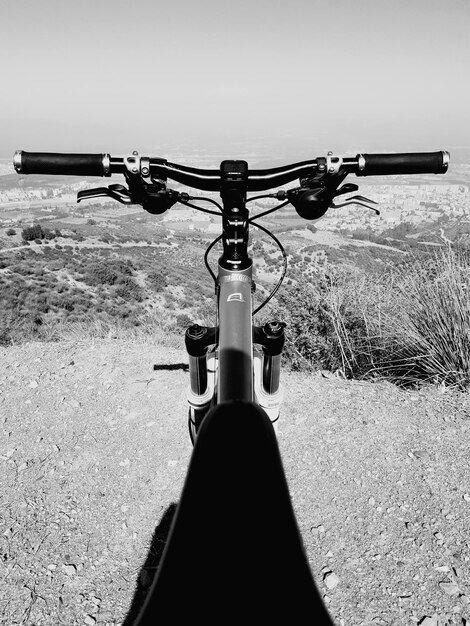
(271, 337)
(197, 341)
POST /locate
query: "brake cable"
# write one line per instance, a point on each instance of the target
(250, 221)
(184, 200)
(206, 255)
(284, 266)
(276, 208)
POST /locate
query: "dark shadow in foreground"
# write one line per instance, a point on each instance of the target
(234, 552)
(171, 367)
(150, 567)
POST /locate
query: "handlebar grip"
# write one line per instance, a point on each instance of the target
(405, 163)
(57, 163)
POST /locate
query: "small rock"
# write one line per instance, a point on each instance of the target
(331, 580)
(317, 530)
(70, 570)
(52, 567)
(451, 589)
(464, 599)
(371, 501)
(22, 467)
(429, 621)
(420, 454)
(442, 568)
(466, 497)
(33, 384)
(90, 620)
(125, 463)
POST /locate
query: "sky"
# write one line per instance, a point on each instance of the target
(237, 77)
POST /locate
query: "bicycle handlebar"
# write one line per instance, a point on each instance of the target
(209, 180)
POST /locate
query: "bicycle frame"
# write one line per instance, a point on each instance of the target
(233, 369)
(235, 354)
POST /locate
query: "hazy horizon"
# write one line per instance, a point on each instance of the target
(297, 77)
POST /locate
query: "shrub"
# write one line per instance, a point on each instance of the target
(431, 321)
(128, 290)
(328, 323)
(11, 231)
(157, 280)
(107, 272)
(182, 321)
(31, 233)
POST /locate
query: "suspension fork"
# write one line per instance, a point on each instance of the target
(267, 368)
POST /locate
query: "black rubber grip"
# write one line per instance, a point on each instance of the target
(406, 163)
(57, 163)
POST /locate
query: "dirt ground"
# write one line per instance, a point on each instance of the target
(93, 454)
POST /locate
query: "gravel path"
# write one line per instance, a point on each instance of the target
(93, 454)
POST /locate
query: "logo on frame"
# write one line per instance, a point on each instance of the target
(236, 297)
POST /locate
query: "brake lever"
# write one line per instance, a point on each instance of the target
(116, 192)
(361, 200)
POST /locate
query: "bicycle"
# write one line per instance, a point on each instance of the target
(235, 393)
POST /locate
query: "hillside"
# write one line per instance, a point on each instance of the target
(121, 264)
(93, 454)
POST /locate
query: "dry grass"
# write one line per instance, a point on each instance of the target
(431, 327)
(411, 325)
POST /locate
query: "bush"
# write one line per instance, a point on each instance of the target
(157, 280)
(31, 233)
(329, 322)
(128, 290)
(107, 272)
(11, 231)
(431, 321)
(35, 232)
(183, 320)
